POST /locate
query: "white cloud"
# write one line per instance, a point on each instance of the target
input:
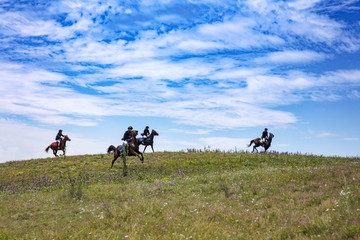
(217, 103)
(18, 23)
(355, 94)
(303, 4)
(326, 134)
(292, 57)
(198, 73)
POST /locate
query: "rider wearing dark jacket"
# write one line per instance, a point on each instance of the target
(264, 135)
(127, 135)
(146, 132)
(59, 136)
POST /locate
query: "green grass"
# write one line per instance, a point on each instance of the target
(180, 195)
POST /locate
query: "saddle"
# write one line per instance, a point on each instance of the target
(144, 139)
(57, 145)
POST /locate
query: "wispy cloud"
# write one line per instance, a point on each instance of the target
(292, 57)
(326, 134)
(209, 63)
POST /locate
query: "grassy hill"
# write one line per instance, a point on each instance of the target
(181, 195)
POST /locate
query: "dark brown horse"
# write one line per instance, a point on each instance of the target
(258, 142)
(132, 151)
(55, 147)
(148, 141)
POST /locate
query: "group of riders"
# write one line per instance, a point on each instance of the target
(127, 136)
(146, 133)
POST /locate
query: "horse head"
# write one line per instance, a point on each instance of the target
(153, 132)
(66, 138)
(134, 133)
(269, 140)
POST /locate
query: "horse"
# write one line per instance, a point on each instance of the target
(133, 149)
(148, 141)
(54, 146)
(257, 142)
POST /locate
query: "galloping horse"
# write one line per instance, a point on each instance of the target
(257, 142)
(133, 149)
(148, 141)
(55, 147)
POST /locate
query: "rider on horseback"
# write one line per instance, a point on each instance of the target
(145, 134)
(127, 135)
(264, 136)
(58, 138)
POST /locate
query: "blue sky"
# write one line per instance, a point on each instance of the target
(202, 73)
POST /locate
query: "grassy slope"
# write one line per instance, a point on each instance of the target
(175, 195)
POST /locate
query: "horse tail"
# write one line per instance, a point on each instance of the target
(111, 148)
(47, 149)
(251, 142)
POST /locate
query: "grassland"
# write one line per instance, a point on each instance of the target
(182, 195)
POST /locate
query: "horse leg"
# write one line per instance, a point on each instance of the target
(112, 163)
(152, 148)
(266, 148)
(115, 157)
(54, 152)
(142, 158)
(136, 152)
(145, 148)
(255, 149)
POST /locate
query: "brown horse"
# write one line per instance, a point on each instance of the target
(55, 147)
(148, 141)
(133, 149)
(257, 142)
